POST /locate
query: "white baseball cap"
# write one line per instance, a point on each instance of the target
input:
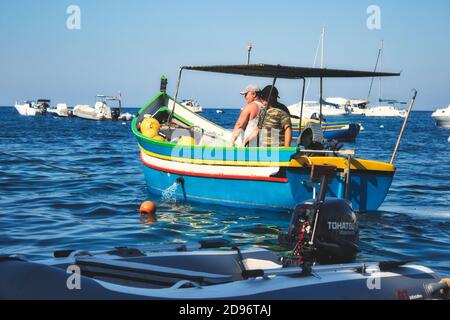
(251, 88)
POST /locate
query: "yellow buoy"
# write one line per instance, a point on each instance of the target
(186, 141)
(150, 132)
(159, 138)
(148, 124)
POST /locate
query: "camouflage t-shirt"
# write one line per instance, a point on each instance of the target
(272, 133)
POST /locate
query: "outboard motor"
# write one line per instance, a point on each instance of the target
(312, 137)
(318, 117)
(115, 113)
(322, 231)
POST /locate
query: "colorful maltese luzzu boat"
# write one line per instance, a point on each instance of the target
(193, 158)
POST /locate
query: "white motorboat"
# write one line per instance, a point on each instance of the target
(101, 110)
(358, 106)
(385, 111)
(31, 108)
(311, 107)
(442, 117)
(192, 105)
(125, 117)
(61, 110)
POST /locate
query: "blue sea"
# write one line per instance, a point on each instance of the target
(43, 209)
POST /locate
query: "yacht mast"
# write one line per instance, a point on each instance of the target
(322, 50)
(320, 47)
(381, 65)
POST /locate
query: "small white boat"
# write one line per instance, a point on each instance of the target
(219, 111)
(125, 117)
(385, 111)
(192, 105)
(311, 107)
(442, 117)
(358, 106)
(31, 108)
(101, 110)
(61, 110)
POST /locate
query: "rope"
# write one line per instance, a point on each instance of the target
(42, 163)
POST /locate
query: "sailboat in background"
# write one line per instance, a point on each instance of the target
(387, 107)
(313, 107)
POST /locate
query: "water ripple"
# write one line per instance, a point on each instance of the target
(43, 209)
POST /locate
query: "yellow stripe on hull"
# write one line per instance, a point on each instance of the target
(299, 162)
(342, 163)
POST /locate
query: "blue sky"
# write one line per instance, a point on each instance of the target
(126, 45)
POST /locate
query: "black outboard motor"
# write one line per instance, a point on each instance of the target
(318, 117)
(322, 231)
(312, 137)
(115, 113)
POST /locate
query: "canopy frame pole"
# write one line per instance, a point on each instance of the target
(169, 120)
(348, 178)
(404, 126)
(301, 111)
(321, 97)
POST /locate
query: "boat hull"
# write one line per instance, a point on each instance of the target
(442, 121)
(25, 110)
(368, 190)
(385, 111)
(275, 179)
(342, 133)
(212, 275)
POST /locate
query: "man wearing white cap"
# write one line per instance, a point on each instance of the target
(248, 120)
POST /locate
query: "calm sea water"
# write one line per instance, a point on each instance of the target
(43, 209)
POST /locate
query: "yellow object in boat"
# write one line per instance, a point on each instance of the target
(186, 141)
(159, 138)
(150, 123)
(149, 132)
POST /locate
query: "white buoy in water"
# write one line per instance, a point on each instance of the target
(448, 139)
(382, 126)
(362, 128)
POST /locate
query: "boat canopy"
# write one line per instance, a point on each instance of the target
(287, 72)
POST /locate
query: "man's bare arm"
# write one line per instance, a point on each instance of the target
(288, 137)
(240, 124)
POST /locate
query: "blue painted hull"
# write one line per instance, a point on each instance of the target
(269, 195)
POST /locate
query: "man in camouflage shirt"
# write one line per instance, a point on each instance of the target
(276, 128)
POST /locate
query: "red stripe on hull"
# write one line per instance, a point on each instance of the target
(216, 176)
